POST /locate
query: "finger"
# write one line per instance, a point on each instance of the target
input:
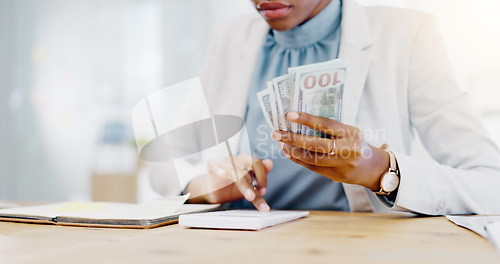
(260, 173)
(312, 143)
(237, 167)
(344, 150)
(268, 164)
(325, 171)
(255, 170)
(261, 204)
(217, 176)
(306, 156)
(323, 124)
(245, 187)
(243, 161)
(313, 158)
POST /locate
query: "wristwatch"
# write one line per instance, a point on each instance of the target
(389, 182)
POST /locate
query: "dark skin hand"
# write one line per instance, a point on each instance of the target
(223, 184)
(354, 161)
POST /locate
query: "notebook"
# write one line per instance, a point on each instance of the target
(239, 219)
(106, 214)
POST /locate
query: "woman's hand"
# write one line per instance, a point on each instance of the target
(346, 157)
(226, 183)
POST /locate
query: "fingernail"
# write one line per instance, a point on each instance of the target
(282, 145)
(293, 115)
(263, 191)
(287, 156)
(249, 195)
(264, 207)
(276, 136)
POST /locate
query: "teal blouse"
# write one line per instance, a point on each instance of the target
(291, 186)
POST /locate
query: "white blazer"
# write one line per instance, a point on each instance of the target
(400, 84)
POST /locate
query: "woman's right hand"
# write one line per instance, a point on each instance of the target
(224, 184)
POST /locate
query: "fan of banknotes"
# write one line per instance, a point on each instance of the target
(315, 89)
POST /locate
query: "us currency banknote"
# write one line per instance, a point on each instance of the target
(284, 95)
(278, 125)
(318, 90)
(266, 105)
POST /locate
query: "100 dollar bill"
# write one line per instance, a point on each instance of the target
(284, 95)
(266, 104)
(318, 90)
(277, 116)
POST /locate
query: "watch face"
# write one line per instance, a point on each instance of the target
(390, 182)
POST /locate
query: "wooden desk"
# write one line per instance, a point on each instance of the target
(323, 237)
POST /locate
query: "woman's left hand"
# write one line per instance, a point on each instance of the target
(346, 157)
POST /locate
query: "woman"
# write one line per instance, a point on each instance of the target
(399, 81)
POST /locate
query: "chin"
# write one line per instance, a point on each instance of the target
(281, 25)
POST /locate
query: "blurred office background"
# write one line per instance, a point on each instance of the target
(71, 72)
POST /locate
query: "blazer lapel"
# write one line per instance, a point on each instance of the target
(242, 68)
(354, 41)
(357, 72)
(234, 92)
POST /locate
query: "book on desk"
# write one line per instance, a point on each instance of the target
(147, 215)
(106, 214)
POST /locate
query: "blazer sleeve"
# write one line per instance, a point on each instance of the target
(464, 177)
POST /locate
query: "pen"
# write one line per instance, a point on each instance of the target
(255, 184)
